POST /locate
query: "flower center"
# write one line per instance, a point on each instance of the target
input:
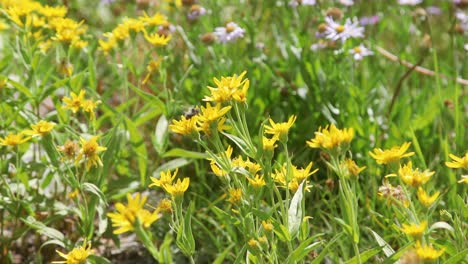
(90, 149)
(357, 50)
(230, 28)
(339, 28)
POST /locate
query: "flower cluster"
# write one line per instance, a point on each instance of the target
(78, 255)
(148, 25)
(46, 24)
(414, 179)
(166, 181)
(89, 152)
(330, 138)
(210, 118)
(77, 102)
(42, 128)
(126, 216)
(459, 163)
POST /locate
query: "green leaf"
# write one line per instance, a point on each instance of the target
(364, 256)
(240, 143)
(222, 255)
(171, 165)
(441, 225)
(145, 117)
(41, 228)
(114, 139)
(23, 89)
(76, 82)
(48, 145)
(139, 145)
(149, 98)
(145, 238)
(178, 152)
(458, 258)
(91, 72)
(387, 249)
(160, 134)
(165, 254)
(98, 260)
(304, 249)
(395, 257)
(91, 188)
(281, 231)
(53, 242)
(345, 226)
(185, 240)
(295, 211)
(324, 252)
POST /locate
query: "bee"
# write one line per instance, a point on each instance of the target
(191, 112)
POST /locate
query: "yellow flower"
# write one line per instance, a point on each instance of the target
(294, 185)
(253, 243)
(89, 150)
(152, 66)
(156, 39)
(67, 30)
(302, 174)
(217, 170)
(428, 252)
(269, 144)
(252, 167)
(412, 177)
(280, 176)
(458, 162)
(331, 137)
(229, 88)
(40, 129)
(13, 140)
(75, 102)
(89, 106)
(235, 195)
(134, 24)
(257, 181)
(414, 230)
(126, 216)
(155, 20)
(165, 178)
(184, 126)
(280, 130)
(70, 149)
(178, 188)
(464, 179)
(391, 155)
(107, 46)
(206, 127)
(425, 199)
(353, 168)
(3, 25)
(212, 114)
(73, 194)
(44, 46)
(53, 11)
(165, 205)
(79, 44)
(267, 226)
(77, 256)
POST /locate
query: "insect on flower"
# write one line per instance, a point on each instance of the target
(191, 112)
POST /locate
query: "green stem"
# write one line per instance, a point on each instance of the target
(146, 240)
(356, 251)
